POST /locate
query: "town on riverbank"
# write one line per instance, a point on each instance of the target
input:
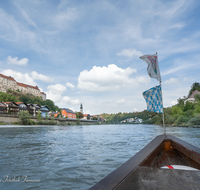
(25, 104)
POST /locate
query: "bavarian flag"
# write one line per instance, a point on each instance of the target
(153, 98)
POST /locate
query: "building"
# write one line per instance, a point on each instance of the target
(138, 120)
(22, 106)
(44, 111)
(8, 82)
(130, 120)
(12, 107)
(3, 108)
(81, 108)
(87, 116)
(66, 112)
(54, 114)
(191, 97)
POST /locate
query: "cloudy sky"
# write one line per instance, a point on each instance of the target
(88, 51)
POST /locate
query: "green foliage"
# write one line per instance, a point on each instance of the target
(197, 108)
(197, 97)
(195, 86)
(7, 97)
(169, 119)
(79, 115)
(24, 117)
(39, 116)
(157, 119)
(188, 106)
(78, 122)
(176, 110)
(182, 119)
(195, 120)
(180, 102)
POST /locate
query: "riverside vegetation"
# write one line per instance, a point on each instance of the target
(181, 114)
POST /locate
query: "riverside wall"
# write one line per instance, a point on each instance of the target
(9, 119)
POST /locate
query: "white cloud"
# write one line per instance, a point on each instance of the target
(41, 77)
(57, 88)
(19, 77)
(62, 19)
(55, 92)
(129, 53)
(15, 61)
(171, 81)
(122, 101)
(68, 100)
(109, 78)
(70, 85)
(56, 97)
(173, 102)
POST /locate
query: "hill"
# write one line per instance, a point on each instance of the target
(187, 113)
(16, 96)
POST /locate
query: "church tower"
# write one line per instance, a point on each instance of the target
(81, 108)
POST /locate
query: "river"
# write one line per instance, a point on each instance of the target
(72, 157)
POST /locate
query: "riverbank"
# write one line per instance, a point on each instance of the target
(8, 119)
(189, 126)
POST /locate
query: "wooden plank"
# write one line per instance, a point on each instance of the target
(165, 179)
(117, 176)
(176, 149)
(192, 153)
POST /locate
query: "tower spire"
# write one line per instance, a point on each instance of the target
(81, 108)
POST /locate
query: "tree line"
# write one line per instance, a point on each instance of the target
(187, 113)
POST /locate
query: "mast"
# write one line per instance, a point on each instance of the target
(163, 108)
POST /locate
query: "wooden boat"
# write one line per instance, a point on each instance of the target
(144, 170)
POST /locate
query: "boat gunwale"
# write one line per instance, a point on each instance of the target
(116, 177)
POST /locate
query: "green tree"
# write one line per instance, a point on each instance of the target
(39, 116)
(195, 86)
(182, 119)
(180, 102)
(79, 115)
(188, 106)
(24, 117)
(197, 97)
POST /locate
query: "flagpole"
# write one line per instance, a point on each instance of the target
(163, 108)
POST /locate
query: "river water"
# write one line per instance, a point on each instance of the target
(72, 157)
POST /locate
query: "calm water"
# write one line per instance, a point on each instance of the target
(72, 157)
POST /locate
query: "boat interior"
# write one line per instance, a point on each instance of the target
(144, 170)
(171, 153)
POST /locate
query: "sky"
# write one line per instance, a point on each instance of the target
(88, 51)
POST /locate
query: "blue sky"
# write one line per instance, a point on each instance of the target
(88, 51)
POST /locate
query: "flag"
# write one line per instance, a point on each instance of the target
(153, 98)
(153, 67)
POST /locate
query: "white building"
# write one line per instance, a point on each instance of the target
(8, 82)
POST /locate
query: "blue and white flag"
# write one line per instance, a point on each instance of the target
(153, 98)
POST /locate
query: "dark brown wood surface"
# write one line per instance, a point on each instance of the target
(161, 151)
(147, 178)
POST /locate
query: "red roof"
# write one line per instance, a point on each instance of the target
(19, 103)
(27, 86)
(42, 93)
(9, 78)
(193, 93)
